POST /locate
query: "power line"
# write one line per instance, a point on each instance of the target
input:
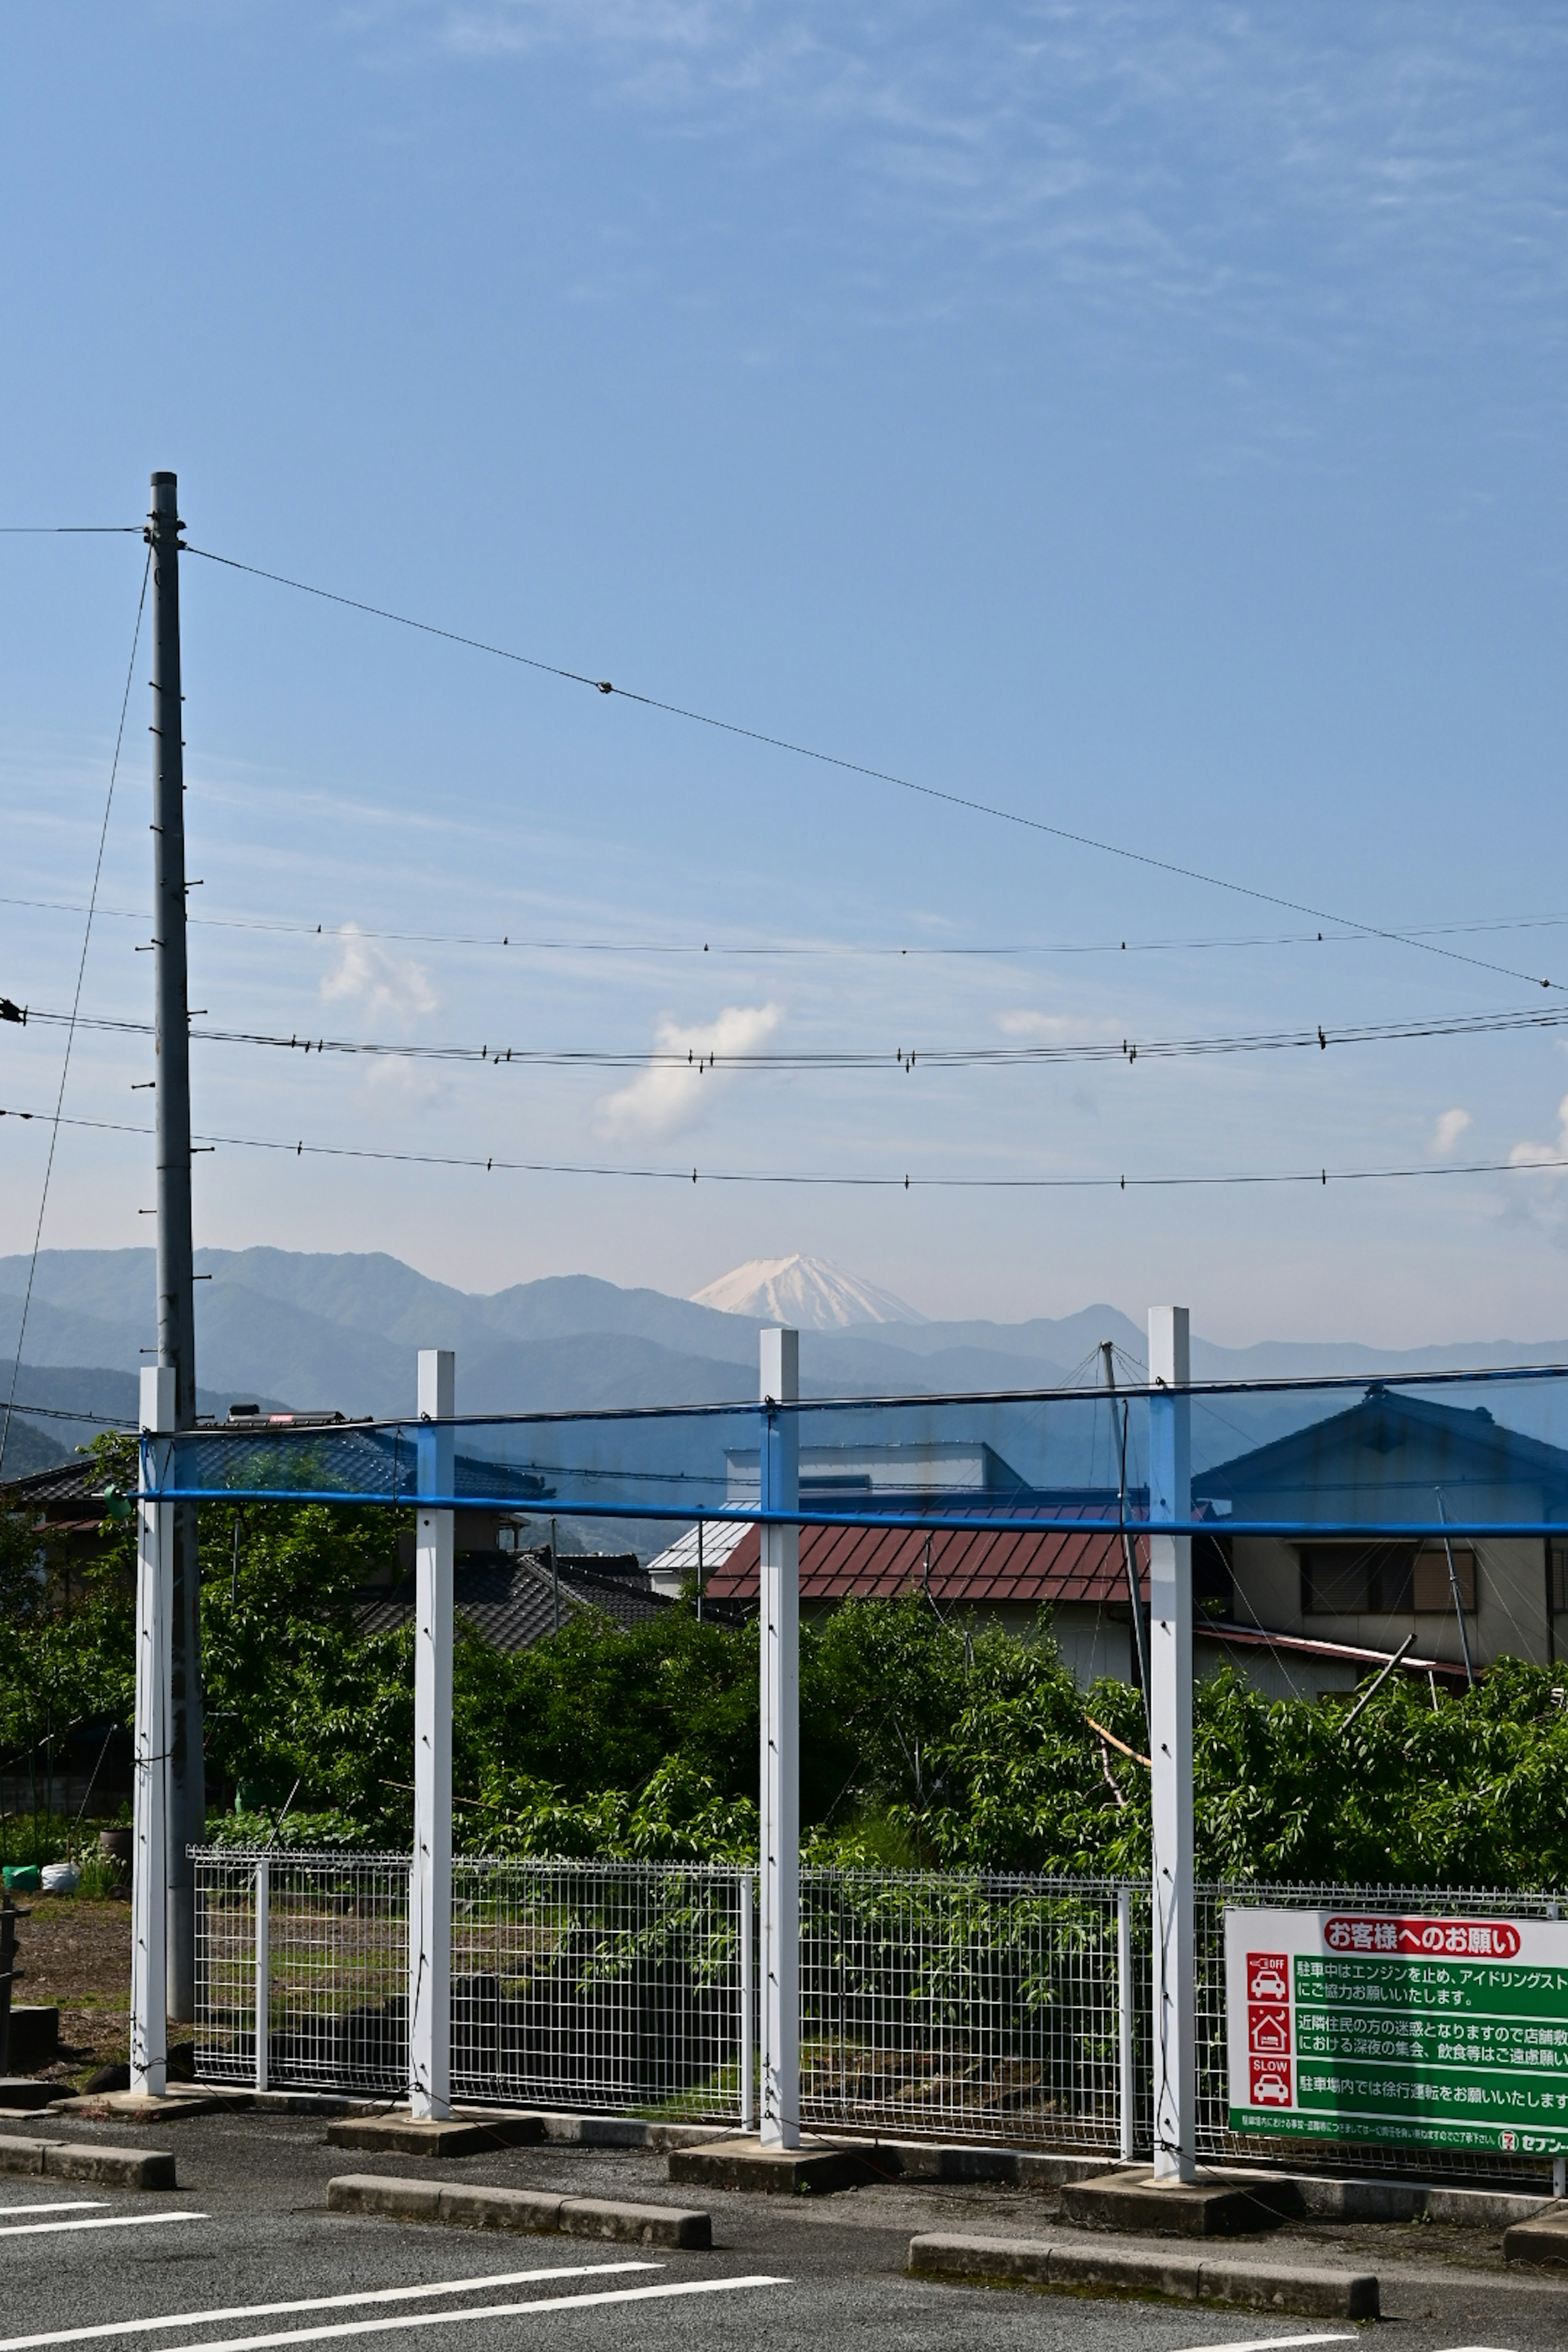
(947, 1057)
(493, 1163)
(67, 530)
(881, 775)
(821, 949)
(71, 1018)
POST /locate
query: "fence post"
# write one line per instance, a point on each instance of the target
(150, 1844)
(1171, 1748)
(263, 1970)
(1126, 2087)
(748, 2010)
(779, 1483)
(1559, 2163)
(430, 1891)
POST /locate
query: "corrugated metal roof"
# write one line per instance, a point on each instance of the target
(720, 1537)
(1080, 1560)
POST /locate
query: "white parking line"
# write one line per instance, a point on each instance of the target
(317, 2302)
(61, 2205)
(491, 2311)
(1278, 2342)
(99, 2222)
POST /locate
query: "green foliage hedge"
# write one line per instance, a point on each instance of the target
(920, 1746)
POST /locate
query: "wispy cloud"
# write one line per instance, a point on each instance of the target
(669, 1097)
(1054, 1028)
(1541, 1155)
(1451, 1125)
(1323, 180)
(364, 974)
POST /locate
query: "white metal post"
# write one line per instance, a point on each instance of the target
(430, 1892)
(1171, 1734)
(1125, 2086)
(780, 1775)
(149, 1866)
(748, 2010)
(263, 1970)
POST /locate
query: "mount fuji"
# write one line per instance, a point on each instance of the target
(805, 1292)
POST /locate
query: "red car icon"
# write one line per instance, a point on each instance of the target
(1271, 2091)
(1266, 1978)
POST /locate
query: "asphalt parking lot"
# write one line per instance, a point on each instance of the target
(244, 2254)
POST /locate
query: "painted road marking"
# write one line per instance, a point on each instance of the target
(1278, 2342)
(99, 2222)
(65, 2205)
(493, 2311)
(317, 2302)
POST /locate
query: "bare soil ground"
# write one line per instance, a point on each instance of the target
(76, 1954)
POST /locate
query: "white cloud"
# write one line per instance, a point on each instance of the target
(1451, 1125)
(1539, 1155)
(1054, 1028)
(403, 1085)
(365, 974)
(671, 1095)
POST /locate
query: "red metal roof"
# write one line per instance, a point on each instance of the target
(1078, 1560)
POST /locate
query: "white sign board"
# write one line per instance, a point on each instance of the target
(1430, 2031)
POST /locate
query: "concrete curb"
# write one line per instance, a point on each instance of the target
(1184, 2278)
(110, 2168)
(472, 2208)
(1543, 2240)
(455, 2135)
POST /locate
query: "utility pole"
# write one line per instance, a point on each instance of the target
(1171, 1745)
(176, 1312)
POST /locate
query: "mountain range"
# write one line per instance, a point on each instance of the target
(312, 1330)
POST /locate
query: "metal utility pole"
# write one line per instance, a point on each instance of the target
(176, 1312)
(1171, 1745)
(779, 1661)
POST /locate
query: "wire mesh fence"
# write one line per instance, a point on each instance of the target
(950, 2006)
(1003, 2010)
(327, 2007)
(599, 1986)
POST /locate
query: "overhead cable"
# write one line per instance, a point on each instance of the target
(816, 949)
(70, 1018)
(604, 686)
(494, 1163)
(947, 1057)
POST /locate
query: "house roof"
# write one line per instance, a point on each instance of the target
(719, 1538)
(1386, 1450)
(75, 1483)
(1078, 1560)
(509, 1600)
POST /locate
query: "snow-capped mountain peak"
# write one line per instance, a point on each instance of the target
(805, 1292)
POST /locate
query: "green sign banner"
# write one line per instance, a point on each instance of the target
(1435, 2033)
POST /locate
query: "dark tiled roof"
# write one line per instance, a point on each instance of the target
(68, 1481)
(510, 1601)
(1081, 1559)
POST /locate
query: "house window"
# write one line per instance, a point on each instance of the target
(1356, 1580)
(1388, 1579)
(1557, 1576)
(1433, 1587)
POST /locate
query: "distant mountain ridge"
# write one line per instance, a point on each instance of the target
(341, 1330)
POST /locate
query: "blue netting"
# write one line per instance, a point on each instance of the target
(1471, 1453)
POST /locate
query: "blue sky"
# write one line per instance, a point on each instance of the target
(1146, 418)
